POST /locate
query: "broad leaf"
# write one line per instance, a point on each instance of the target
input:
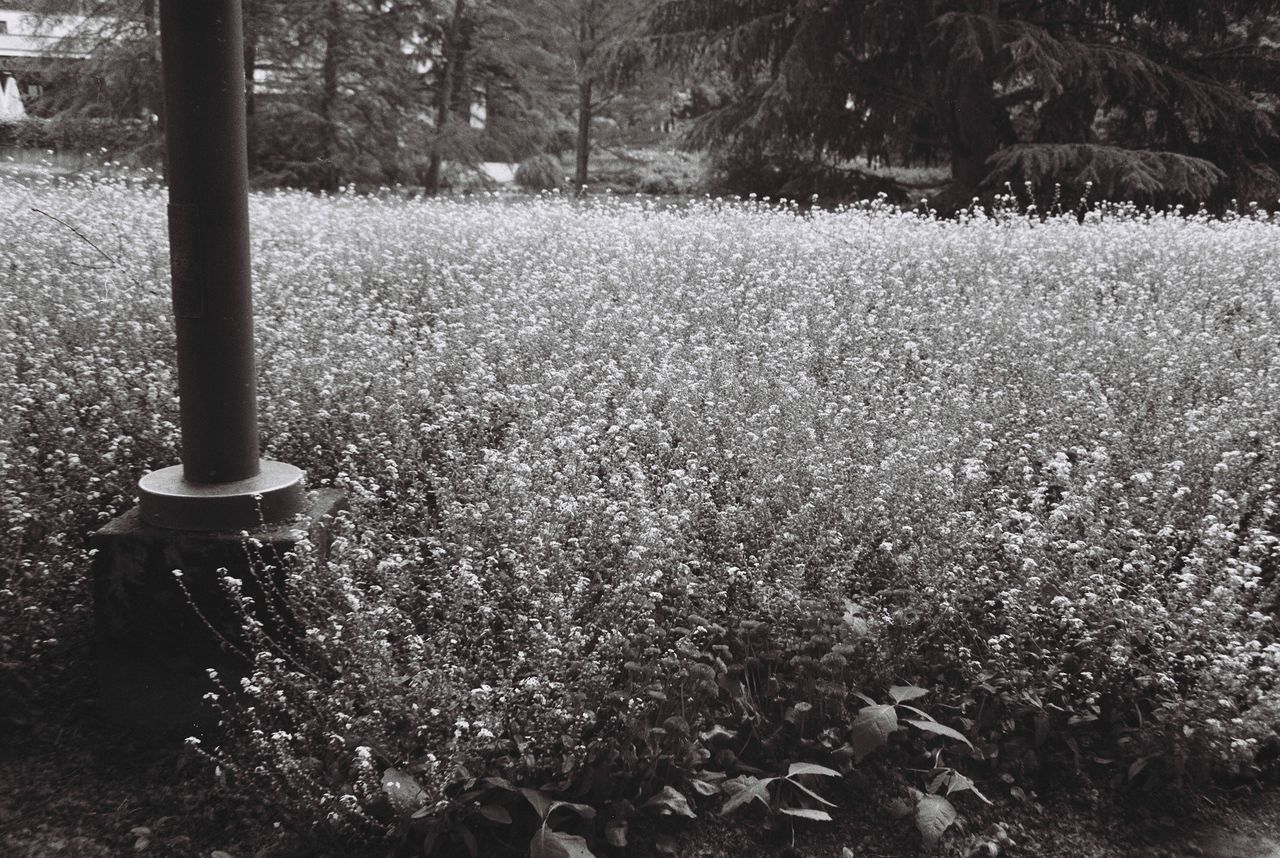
(934, 815)
(811, 769)
(500, 783)
(903, 693)
(586, 811)
(669, 802)
(403, 790)
(804, 789)
(540, 800)
(939, 729)
(753, 788)
(805, 813)
(900, 807)
(943, 779)
(871, 729)
(960, 783)
(717, 732)
(496, 813)
(469, 840)
(701, 787)
(615, 833)
(555, 844)
(856, 624)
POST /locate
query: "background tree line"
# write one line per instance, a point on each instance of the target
(1146, 100)
(1156, 101)
(380, 91)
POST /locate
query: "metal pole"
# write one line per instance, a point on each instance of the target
(207, 170)
(209, 234)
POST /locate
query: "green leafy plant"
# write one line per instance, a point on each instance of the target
(930, 809)
(547, 842)
(875, 722)
(786, 794)
(477, 802)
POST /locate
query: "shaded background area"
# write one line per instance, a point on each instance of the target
(1151, 102)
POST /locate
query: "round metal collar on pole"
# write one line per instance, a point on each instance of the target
(273, 495)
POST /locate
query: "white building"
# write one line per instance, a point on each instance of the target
(27, 41)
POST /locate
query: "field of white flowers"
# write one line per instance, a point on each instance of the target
(1032, 463)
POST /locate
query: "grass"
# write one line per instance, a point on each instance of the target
(602, 452)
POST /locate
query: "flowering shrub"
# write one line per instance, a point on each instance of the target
(1028, 464)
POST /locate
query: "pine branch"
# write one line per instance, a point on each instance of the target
(1117, 173)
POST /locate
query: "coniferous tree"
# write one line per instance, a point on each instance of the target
(339, 96)
(601, 48)
(1151, 100)
(491, 80)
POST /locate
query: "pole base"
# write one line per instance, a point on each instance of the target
(156, 639)
(273, 496)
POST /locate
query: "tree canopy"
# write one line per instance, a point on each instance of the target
(1155, 101)
(1148, 100)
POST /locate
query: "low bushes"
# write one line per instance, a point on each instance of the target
(116, 138)
(654, 501)
(540, 173)
(657, 172)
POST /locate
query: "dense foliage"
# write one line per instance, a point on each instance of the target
(72, 133)
(650, 504)
(355, 91)
(1152, 101)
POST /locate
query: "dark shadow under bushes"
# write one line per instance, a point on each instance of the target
(135, 140)
(743, 173)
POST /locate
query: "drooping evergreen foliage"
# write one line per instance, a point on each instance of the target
(1150, 100)
(335, 96)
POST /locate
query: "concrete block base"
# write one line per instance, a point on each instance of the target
(155, 642)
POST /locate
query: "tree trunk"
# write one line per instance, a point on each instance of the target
(328, 178)
(153, 94)
(249, 10)
(461, 94)
(583, 159)
(586, 49)
(444, 95)
(975, 122)
(971, 126)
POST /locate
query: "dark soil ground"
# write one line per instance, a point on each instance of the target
(72, 787)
